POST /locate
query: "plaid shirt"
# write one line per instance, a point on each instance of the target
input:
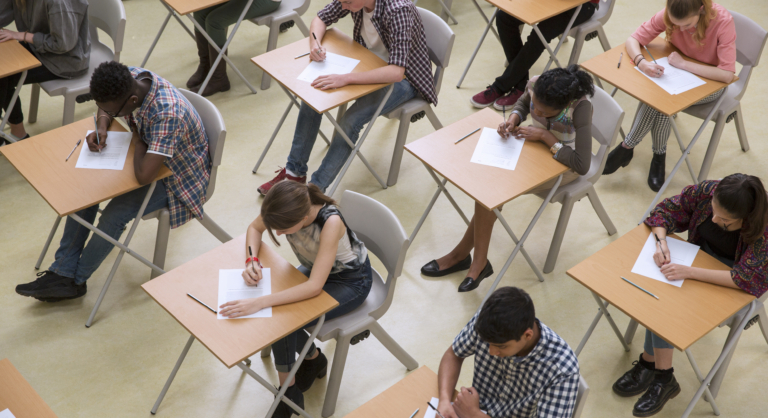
(400, 29)
(171, 127)
(544, 383)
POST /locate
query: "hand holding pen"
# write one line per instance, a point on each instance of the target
(509, 126)
(252, 273)
(661, 257)
(317, 52)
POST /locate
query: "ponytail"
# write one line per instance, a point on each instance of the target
(744, 197)
(558, 87)
(287, 203)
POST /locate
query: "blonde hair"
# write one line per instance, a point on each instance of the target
(681, 9)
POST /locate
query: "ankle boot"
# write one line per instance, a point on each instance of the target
(219, 80)
(619, 157)
(204, 66)
(283, 410)
(657, 172)
(311, 370)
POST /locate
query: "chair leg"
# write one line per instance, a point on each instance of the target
(34, 100)
(334, 380)
(601, 213)
(578, 44)
(433, 118)
(740, 131)
(714, 141)
(161, 241)
(390, 344)
(266, 352)
(300, 24)
(763, 321)
(603, 39)
(557, 238)
(274, 30)
(214, 228)
(397, 153)
(69, 109)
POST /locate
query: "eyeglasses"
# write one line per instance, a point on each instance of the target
(114, 115)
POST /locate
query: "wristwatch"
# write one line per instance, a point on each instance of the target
(555, 148)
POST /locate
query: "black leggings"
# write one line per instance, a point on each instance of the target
(522, 57)
(8, 86)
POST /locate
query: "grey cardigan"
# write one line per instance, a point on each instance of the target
(61, 40)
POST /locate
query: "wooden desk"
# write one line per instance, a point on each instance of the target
(232, 341)
(185, 7)
(490, 186)
(404, 397)
(17, 395)
(16, 59)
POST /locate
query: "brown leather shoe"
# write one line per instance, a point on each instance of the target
(219, 80)
(204, 66)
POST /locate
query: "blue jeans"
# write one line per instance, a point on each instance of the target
(352, 122)
(349, 288)
(76, 260)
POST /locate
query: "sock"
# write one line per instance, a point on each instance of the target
(291, 173)
(647, 364)
(665, 376)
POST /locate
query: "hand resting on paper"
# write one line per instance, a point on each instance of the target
(676, 60)
(330, 81)
(242, 307)
(252, 274)
(467, 404)
(532, 133)
(509, 126)
(91, 140)
(674, 272)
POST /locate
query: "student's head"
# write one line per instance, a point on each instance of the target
(692, 16)
(354, 5)
(287, 205)
(506, 321)
(741, 203)
(558, 87)
(114, 89)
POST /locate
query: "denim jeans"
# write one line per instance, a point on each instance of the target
(76, 260)
(352, 122)
(349, 288)
(216, 19)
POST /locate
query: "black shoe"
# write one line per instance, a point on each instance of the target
(431, 269)
(283, 410)
(656, 396)
(81, 291)
(635, 381)
(44, 278)
(657, 172)
(471, 284)
(619, 157)
(59, 288)
(311, 370)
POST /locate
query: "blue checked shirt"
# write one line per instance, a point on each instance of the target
(171, 127)
(543, 384)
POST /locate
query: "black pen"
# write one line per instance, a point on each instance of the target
(318, 42)
(201, 302)
(438, 412)
(620, 58)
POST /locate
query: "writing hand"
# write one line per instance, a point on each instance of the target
(661, 256)
(316, 53)
(651, 69)
(509, 126)
(91, 140)
(445, 408)
(252, 274)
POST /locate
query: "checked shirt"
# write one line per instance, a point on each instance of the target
(543, 384)
(171, 127)
(402, 32)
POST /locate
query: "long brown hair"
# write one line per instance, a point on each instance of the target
(287, 203)
(744, 197)
(681, 9)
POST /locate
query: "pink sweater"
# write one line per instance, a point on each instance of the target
(718, 46)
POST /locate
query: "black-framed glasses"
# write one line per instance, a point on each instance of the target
(114, 115)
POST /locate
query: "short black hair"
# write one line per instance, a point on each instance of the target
(505, 316)
(558, 87)
(110, 82)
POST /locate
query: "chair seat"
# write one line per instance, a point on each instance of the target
(287, 7)
(152, 215)
(79, 85)
(576, 187)
(414, 105)
(729, 105)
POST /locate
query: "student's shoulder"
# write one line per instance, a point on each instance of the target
(557, 354)
(399, 7)
(723, 19)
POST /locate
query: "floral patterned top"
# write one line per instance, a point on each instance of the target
(688, 210)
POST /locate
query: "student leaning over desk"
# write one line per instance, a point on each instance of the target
(728, 219)
(701, 30)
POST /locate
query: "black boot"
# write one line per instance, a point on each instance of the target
(619, 157)
(636, 380)
(283, 410)
(311, 370)
(204, 65)
(657, 172)
(663, 388)
(219, 80)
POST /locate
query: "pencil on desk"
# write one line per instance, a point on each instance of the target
(622, 277)
(465, 136)
(302, 55)
(73, 150)
(414, 413)
(202, 303)
(620, 58)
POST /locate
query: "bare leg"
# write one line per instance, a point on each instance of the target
(17, 130)
(484, 220)
(462, 249)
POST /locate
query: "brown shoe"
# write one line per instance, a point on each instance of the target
(204, 66)
(219, 80)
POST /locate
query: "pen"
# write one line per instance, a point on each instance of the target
(96, 129)
(438, 412)
(414, 413)
(657, 298)
(649, 54)
(201, 302)
(318, 42)
(620, 58)
(73, 150)
(302, 55)
(657, 238)
(462, 138)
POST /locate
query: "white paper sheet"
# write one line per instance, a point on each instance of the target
(494, 150)
(674, 80)
(680, 252)
(333, 64)
(431, 412)
(6, 414)
(233, 287)
(110, 158)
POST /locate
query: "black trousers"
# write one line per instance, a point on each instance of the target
(8, 86)
(521, 56)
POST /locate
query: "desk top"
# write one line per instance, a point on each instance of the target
(491, 186)
(16, 59)
(637, 85)
(17, 395)
(184, 7)
(534, 11)
(404, 397)
(682, 315)
(233, 340)
(40, 159)
(282, 65)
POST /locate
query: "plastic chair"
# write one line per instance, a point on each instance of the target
(107, 15)
(581, 397)
(216, 132)
(750, 42)
(289, 10)
(607, 116)
(594, 24)
(440, 39)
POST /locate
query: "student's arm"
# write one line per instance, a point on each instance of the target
(146, 165)
(389, 74)
(161, 139)
(252, 272)
(519, 113)
(447, 378)
(317, 27)
(579, 158)
(706, 71)
(661, 256)
(559, 399)
(676, 272)
(648, 67)
(64, 30)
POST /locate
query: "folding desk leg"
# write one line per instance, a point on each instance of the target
(707, 394)
(629, 334)
(477, 48)
(447, 10)
(553, 55)
(157, 38)
(682, 149)
(589, 331)
(440, 188)
(173, 374)
(15, 96)
(48, 242)
(272, 138)
(604, 306)
(448, 195)
(482, 13)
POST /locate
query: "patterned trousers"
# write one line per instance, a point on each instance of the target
(649, 119)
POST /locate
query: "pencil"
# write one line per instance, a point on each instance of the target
(201, 302)
(657, 298)
(650, 55)
(469, 134)
(414, 413)
(96, 129)
(620, 58)
(302, 55)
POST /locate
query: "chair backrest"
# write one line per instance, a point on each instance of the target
(581, 397)
(607, 116)
(440, 39)
(109, 16)
(605, 11)
(214, 129)
(750, 42)
(381, 232)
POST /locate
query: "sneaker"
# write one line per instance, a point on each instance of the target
(508, 101)
(58, 289)
(485, 98)
(311, 370)
(283, 410)
(81, 291)
(281, 175)
(44, 279)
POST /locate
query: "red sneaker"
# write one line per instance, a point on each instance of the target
(508, 102)
(485, 98)
(281, 175)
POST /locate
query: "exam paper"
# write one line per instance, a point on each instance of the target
(333, 64)
(496, 151)
(6, 414)
(431, 412)
(110, 158)
(233, 287)
(674, 80)
(681, 252)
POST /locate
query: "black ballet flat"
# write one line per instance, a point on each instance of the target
(471, 284)
(431, 269)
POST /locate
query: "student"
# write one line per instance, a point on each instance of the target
(391, 29)
(171, 133)
(701, 30)
(511, 84)
(215, 20)
(56, 33)
(728, 218)
(560, 108)
(330, 255)
(522, 368)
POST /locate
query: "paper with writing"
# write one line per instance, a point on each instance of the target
(112, 157)
(232, 287)
(333, 64)
(674, 80)
(680, 252)
(494, 150)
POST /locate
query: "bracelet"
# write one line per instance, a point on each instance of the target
(109, 118)
(555, 148)
(633, 59)
(254, 259)
(641, 60)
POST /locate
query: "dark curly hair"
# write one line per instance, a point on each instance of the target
(111, 81)
(505, 316)
(559, 86)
